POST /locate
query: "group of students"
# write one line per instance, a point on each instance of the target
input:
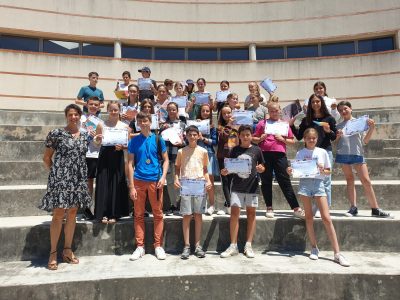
(151, 161)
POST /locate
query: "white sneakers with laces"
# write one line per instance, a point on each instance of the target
(341, 260)
(231, 251)
(160, 253)
(138, 253)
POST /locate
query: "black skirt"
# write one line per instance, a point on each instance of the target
(111, 187)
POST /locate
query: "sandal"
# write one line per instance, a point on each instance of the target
(104, 220)
(52, 266)
(70, 260)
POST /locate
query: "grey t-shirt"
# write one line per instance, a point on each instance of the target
(349, 145)
(259, 113)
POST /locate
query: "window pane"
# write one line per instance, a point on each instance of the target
(169, 54)
(375, 45)
(202, 54)
(302, 51)
(98, 50)
(60, 47)
(338, 49)
(19, 43)
(270, 53)
(136, 52)
(235, 54)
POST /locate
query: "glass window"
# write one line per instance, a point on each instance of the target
(169, 54)
(61, 47)
(338, 49)
(203, 54)
(136, 52)
(302, 51)
(19, 43)
(98, 50)
(375, 45)
(270, 53)
(235, 54)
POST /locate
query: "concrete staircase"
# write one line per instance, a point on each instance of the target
(281, 269)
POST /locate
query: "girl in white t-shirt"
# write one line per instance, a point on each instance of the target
(310, 188)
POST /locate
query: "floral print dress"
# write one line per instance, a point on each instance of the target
(67, 183)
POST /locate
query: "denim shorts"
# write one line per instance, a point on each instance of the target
(349, 159)
(193, 205)
(311, 187)
(244, 200)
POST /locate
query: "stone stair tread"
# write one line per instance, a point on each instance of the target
(106, 267)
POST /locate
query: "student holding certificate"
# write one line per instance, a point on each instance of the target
(260, 111)
(273, 147)
(124, 85)
(233, 101)
(111, 201)
(253, 89)
(208, 142)
(131, 108)
(221, 95)
(147, 86)
(227, 140)
(160, 106)
(245, 190)
(147, 107)
(173, 144)
(350, 153)
(191, 164)
(180, 93)
(319, 118)
(195, 103)
(310, 188)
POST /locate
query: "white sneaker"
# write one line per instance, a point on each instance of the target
(299, 214)
(210, 210)
(341, 260)
(138, 253)
(248, 251)
(270, 213)
(317, 214)
(231, 251)
(160, 253)
(314, 253)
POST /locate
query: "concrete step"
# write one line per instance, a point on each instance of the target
(21, 117)
(25, 132)
(27, 238)
(21, 150)
(23, 200)
(33, 172)
(380, 115)
(270, 275)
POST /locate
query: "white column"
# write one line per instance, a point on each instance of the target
(117, 49)
(252, 52)
(397, 40)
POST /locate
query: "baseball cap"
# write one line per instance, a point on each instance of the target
(144, 69)
(189, 81)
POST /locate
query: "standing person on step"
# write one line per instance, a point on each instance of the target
(147, 177)
(349, 154)
(147, 86)
(89, 91)
(67, 188)
(111, 201)
(319, 118)
(273, 147)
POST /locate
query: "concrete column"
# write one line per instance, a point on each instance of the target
(117, 49)
(252, 52)
(397, 40)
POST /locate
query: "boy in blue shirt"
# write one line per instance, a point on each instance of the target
(90, 91)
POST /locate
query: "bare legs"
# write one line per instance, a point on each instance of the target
(210, 192)
(326, 219)
(197, 228)
(234, 223)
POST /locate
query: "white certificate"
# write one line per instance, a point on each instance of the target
(144, 83)
(222, 95)
(181, 101)
(281, 128)
(193, 187)
(91, 123)
(203, 126)
(154, 123)
(238, 165)
(305, 168)
(243, 117)
(173, 135)
(355, 126)
(202, 98)
(268, 85)
(115, 136)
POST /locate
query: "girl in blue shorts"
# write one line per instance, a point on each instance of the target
(310, 188)
(350, 153)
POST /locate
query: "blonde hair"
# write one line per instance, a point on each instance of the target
(271, 104)
(273, 98)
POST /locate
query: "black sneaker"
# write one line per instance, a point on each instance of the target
(353, 211)
(88, 214)
(199, 252)
(379, 213)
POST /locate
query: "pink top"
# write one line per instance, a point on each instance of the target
(270, 143)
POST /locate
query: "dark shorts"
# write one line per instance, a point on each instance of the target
(92, 167)
(349, 159)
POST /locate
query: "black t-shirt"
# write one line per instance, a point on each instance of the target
(244, 183)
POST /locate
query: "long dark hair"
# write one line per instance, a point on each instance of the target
(321, 83)
(221, 120)
(310, 112)
(199, 113)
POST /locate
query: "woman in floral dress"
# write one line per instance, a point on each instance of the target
(67, 188)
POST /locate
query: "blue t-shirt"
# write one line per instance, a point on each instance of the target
(87, 92)
(145, 148)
